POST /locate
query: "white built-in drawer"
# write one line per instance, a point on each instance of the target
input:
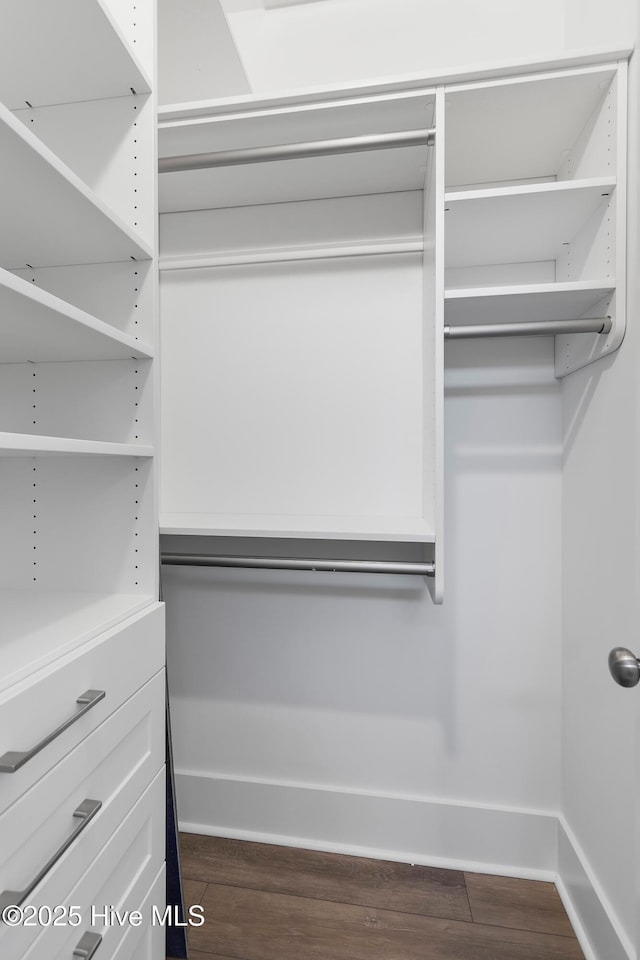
(119, 878)
(117, 662)
(147, 941)
(114, 765)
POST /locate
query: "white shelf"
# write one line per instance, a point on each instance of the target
(526, 302)
(521, 223)
(519, 130)
(26, 445)
(48, 59)
(36, 326)
(279, 121)
(38, 627)
(228, 126)
(398, 529)
(55, 218)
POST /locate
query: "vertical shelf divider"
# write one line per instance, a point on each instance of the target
(433, 278)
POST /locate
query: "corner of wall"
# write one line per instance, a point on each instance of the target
(197, 56)
(591, 916)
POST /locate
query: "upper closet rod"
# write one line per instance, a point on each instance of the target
(296, 151)
(290, 563)
(540, 328)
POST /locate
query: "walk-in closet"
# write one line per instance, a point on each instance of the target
(320, 403)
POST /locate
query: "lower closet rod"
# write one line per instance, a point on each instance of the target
(290, 563)
(538, 328)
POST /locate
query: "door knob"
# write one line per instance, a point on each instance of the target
(624, 667)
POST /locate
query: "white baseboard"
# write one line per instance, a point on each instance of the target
(508, 842)
(592, 919)
(408, 829)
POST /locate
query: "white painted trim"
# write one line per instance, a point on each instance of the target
(510, 842)
(409, 829)
(574, 919)
(592, 917)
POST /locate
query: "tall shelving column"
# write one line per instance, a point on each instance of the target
(78, 298)
(82, 786)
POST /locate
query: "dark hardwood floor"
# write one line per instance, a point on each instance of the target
(263, 902)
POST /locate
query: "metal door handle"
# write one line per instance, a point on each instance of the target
(85, 813)
(86, 948)
(624, 667)
(14, 759)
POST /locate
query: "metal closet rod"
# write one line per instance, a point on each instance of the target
(297, 151)
(541, 328)
(292, 563)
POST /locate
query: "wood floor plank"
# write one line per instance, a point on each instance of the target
(522, 904)
(257, 925)
(198, 955)
(326, 876)
(193, 891)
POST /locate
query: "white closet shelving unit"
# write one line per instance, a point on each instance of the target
(304, 282)
(535, 208)
(319, 289)
(78, 568)
(79, 247)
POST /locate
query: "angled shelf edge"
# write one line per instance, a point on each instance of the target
(26, 445)
(36, 326)
(45, 35)
(68, 223)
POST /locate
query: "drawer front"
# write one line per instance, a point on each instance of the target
(117, 662)
(147, 941)
(114, 886)
(114, 765)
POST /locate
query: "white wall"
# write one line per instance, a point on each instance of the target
(336, 41)
(601, 576)
(221, 48)
(300, 707)
(599, 580)
(218, 48)
(358, 685)
(196, 54)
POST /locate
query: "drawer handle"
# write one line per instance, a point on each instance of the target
(87, 946)
(14, 759)
(84, 813)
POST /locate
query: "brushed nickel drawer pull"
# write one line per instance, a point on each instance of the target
(14, 759)
(87, 946)
(85, 813)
